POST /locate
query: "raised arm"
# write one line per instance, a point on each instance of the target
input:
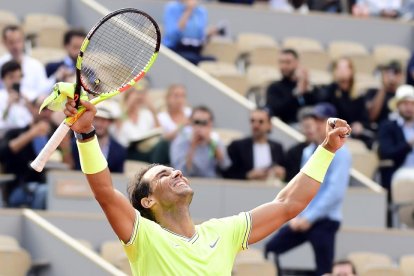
(268, 217)
(118, 210)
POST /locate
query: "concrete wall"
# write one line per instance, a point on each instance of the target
(23, 7)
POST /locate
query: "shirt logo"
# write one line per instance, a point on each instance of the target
(212, 245)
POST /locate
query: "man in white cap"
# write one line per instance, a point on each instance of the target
(114, 152)
(396, 137)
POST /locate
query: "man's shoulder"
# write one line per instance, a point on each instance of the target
(32, 62)
(242, 142)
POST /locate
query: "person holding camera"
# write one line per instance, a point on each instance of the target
(13, 106)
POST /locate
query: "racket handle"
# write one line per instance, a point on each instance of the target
(39, 163)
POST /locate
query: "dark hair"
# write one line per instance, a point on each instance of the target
(72, 33)
(9, 67)
(203, 108)
(139, 189)
(289, 51)
(266, 110)
(10, 28)
(345, 262)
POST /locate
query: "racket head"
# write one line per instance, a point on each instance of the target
(117, 52)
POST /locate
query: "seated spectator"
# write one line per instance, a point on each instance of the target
(114, 153)
(34, 82)
(186, 31)
(333, 6)
(18, 148)
(382, 8)
(197, 150)
(343, 268)
(289, 6)
(64, 69)
(320, 221)
(285, 97)
(349, 105)
(396, 137)
(140, 116)
(256, 157)
(176, 116)
(13, 107)
(293, 158)
(377, 99)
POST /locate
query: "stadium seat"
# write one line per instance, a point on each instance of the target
(132, 167)
(261, 76)
(224, 50)
(384, 53)
(362, 260)
(264, 55)
(318, 77)
(123, 264)
(112, 251)
(8, 242)
(363, 63)
(228, 135)
(86, 243)
(238, 82)
(338, 49)
(402, 191)
(51, 37)
(34, 22)
(381, 270)
(315, 60)
(248, 41)
(18, 262)
(46, 55)
(407, 265)
(252, 262)
(363, 160)
(363, 82)
(303, 44)
(215, 68)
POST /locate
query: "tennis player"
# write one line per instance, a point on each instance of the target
(155, 225)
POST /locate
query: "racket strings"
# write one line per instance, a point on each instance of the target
(118, 51)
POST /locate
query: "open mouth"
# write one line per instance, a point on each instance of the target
(179, 183)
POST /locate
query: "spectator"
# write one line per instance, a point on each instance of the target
(320, 221)
(396, 137)
(290, 5)
(377, 99)
(186, 31)
(140, 115)
(407, 12)
(343, 268)
(114, 153)
(382, 8)
(34, 82)
(13, 110)
(18, 148)
(333, 6)
(176, 116)
(285, 97)
(410, 69)
(247, 2)
(349, 105)
(64, 69)
(197, 151)
(256, 157)
(294, 154)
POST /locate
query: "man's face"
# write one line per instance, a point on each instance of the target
(12, 78)
(73, 46)
(342, 270)
(260, 124)
(406, 109)
(202, 125)
(176, 99)
(391, 80)
(14, 42)
(168, 186)
(101, 126)
(344, 74)
(309, 129)
(288, 65)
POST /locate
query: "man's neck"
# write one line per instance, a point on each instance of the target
(178, 221)
(103, 140)
(260, 140)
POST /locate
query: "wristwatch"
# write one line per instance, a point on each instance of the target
(84, 136)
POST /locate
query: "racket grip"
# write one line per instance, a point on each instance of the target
(39, 163)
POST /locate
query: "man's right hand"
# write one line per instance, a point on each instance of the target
(84, 122)
(336, 133)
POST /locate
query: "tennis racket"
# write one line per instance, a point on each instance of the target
(116, 53)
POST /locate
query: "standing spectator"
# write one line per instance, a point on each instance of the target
(349, 105)
(320, 221)
(61, 70)
(382, 8)
(186, 31)
(256, 157)
(34, 82)
(396, 137)
(308, 128)
(285, 97)
(18, 148)
(114, 153)
(197, 150)
(377, 99)
(13, 110)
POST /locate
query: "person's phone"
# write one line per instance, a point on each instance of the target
(16, 87)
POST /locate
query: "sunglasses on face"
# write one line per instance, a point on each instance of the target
(200, 122)
(260, 121)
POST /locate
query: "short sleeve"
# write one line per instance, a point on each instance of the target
(238, 229)
(131, 247)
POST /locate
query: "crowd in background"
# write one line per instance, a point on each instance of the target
(382, 118)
